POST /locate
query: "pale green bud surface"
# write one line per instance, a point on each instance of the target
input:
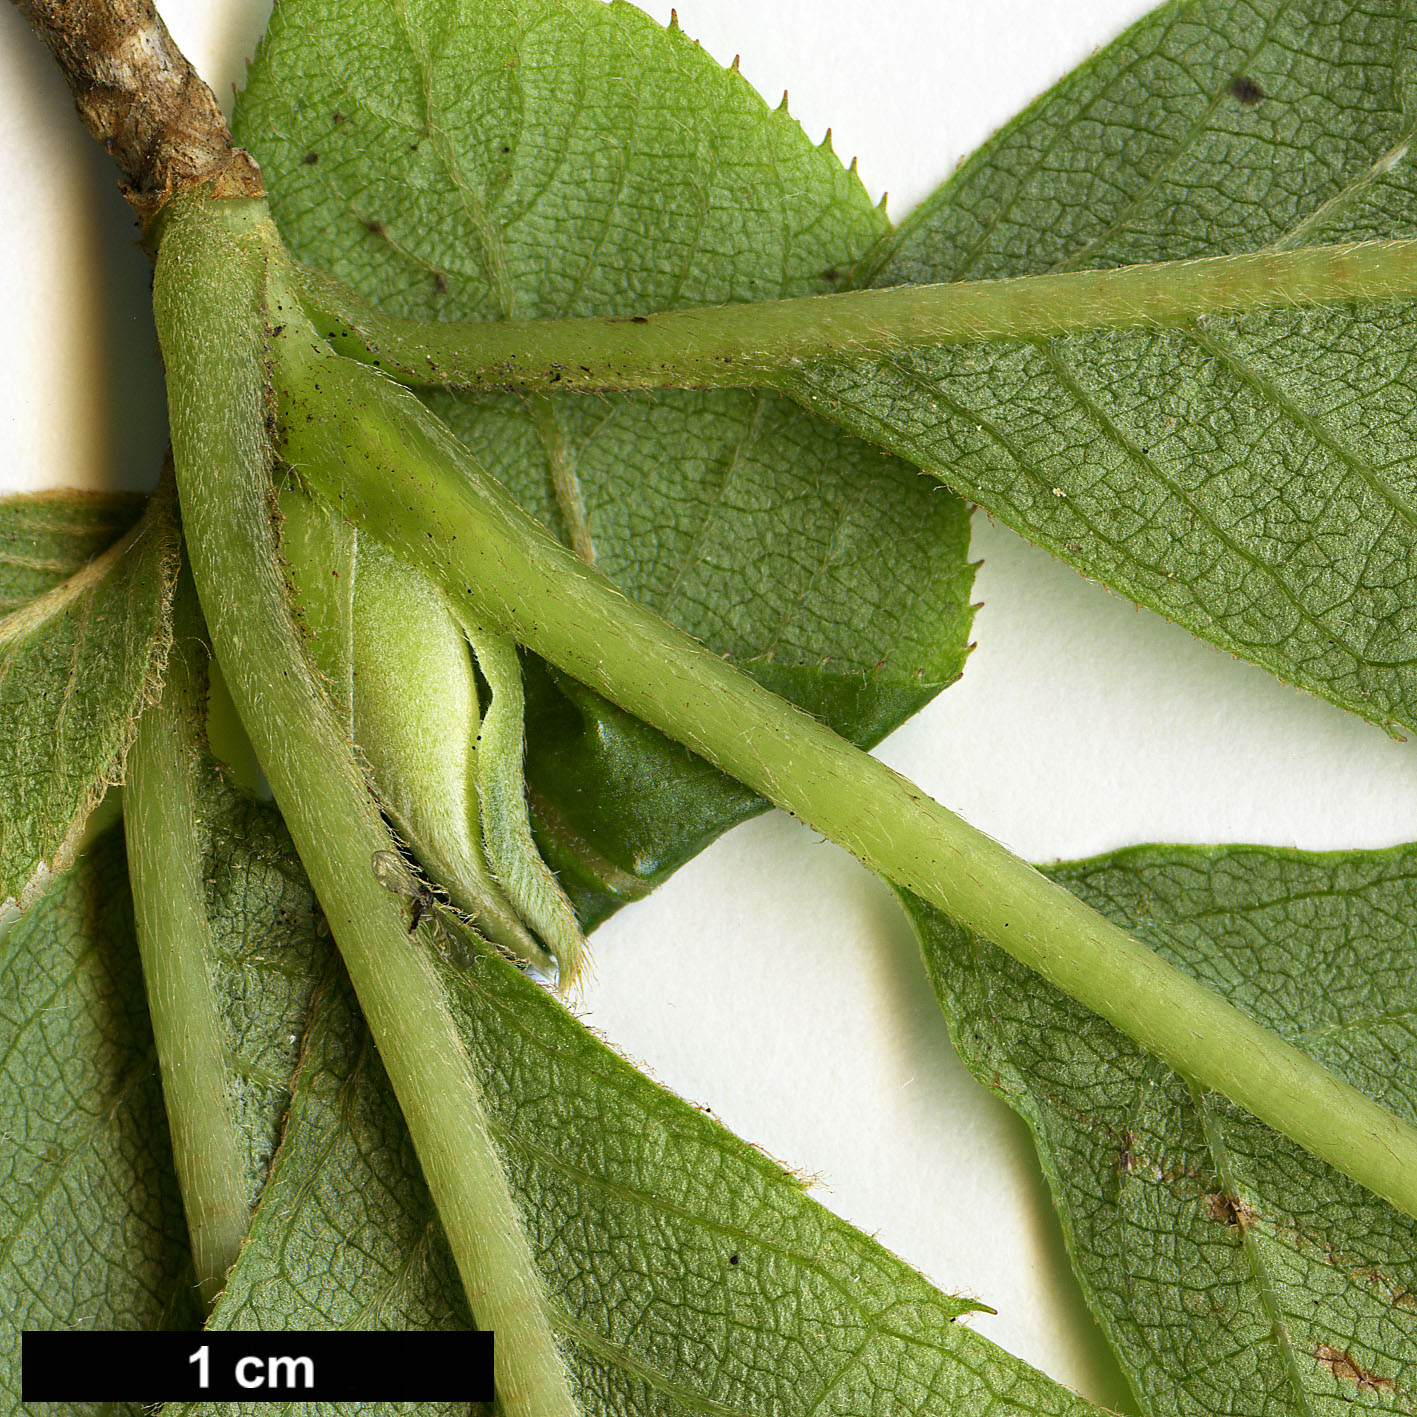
(501, 795)
(400, 672)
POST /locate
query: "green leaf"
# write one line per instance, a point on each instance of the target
(1251, 477)
(82, 644)
(91, 1227)
(45, 539)
(688, 1271)
(95, 1235)
(270, 950)
(1231, 1271)
(533, 158)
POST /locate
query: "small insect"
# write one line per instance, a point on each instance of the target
(1247, 90)
(1126, 1160)
(392, 872)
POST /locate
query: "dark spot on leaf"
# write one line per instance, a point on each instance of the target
(1231, 1211)
(506, 148)
(338, 117)
(1247, 90)
(639, 319)
(831, 273)
(374, 228)
(310, 159)
(1346, 1370)
(733, 1259)
(440, 282)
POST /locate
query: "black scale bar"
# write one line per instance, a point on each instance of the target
(256, 1367)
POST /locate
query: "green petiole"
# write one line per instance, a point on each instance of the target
(209, 301)
(376, 453)
(169, 908)
(749, 346)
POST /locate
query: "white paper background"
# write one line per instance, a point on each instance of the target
(772, 980)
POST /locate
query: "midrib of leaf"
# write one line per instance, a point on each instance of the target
(30, 619)
(1211, 1125)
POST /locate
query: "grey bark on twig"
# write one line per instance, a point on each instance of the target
(138, 95)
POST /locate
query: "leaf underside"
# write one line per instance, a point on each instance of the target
(82, 643)
(688, 1271)
(92, 1233)
(46, 538)
(270, 952)
(534, 159)
(1251, 478)
(1231, 1270)
(1240, 477)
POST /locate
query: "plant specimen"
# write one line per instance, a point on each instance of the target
(513, 214)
